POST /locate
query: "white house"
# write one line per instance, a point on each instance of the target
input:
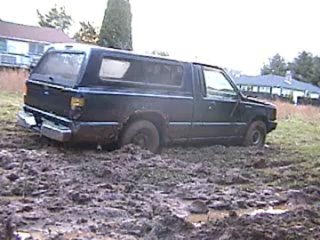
(22, 45)
(278, 85)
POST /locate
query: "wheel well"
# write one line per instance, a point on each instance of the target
(260, 118)
(154, 117)
(257, 118)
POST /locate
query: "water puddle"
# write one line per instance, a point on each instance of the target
(41, 235)
(220, 214)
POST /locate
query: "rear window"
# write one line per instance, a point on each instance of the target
(59, 67)
(141, 71)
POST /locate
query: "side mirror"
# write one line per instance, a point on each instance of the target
(31, 67)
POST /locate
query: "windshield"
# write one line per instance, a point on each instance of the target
(59, 67)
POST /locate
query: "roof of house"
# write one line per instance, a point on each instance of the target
(277, 81)
(32, 33)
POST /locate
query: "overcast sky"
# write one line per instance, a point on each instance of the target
(237, 34)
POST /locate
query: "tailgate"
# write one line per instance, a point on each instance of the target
(52, 83)
(52, 99)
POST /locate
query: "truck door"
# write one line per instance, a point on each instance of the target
(216, 109)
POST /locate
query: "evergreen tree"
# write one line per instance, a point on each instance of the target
(116, 26)
(55, 18)
(276, 66)
(302, 67)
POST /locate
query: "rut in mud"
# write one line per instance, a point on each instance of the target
(211, 192)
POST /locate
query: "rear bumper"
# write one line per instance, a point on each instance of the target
(48, 129)
(64, 130)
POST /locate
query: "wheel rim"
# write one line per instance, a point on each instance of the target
(256, 137)
(140, 139)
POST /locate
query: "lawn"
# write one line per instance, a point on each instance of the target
(10, 104)
(298, 129)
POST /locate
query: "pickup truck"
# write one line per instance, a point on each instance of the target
(84, 93)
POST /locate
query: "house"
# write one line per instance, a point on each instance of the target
(278, 85)
(21, 45)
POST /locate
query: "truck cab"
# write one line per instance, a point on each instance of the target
(83, 93)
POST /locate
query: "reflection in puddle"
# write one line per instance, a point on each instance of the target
(216, 214)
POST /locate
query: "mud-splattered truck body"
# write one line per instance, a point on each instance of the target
(84, 93)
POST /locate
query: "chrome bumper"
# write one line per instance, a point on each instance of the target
(47, 128)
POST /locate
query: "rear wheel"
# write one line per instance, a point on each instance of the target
(142, 133)
(256, 134)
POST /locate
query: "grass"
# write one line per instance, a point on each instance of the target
(298, 129)
(10, 103)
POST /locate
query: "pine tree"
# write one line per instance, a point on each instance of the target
(276, 66)
(116, 26)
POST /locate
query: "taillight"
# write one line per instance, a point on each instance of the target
(25, 89)
(77, 102)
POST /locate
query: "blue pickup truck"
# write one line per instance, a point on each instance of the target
(84, 93)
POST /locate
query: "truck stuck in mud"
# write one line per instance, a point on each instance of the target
(84, 93)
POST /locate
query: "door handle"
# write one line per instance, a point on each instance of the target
(212, 106)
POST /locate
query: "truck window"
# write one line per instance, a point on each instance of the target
(163, 74)
(217, 84)
(121, 70)
(59, 67)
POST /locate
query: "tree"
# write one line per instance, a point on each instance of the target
(87, 33)
(302, 67)
(276, 66)
(116, 26)
(55, 18)
(316, 71)
(160, 53)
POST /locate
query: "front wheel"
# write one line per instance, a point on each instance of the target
(256, 134)
(142, 133)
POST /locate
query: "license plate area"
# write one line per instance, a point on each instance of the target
(30, 120)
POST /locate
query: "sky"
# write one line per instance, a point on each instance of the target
(236, 34)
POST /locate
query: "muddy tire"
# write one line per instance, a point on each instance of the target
(142, 133)
(256, 134)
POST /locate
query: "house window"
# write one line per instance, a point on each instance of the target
(36, 49)
(3, 45)
(254, 89)
(246, 88)
(264, 89)
(7, 59)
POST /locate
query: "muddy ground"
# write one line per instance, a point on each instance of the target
(48, 191)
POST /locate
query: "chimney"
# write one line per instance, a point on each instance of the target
(288, 77)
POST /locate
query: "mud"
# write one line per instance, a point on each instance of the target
(49, 191)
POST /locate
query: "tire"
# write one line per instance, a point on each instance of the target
(142, 133)
(256, 134)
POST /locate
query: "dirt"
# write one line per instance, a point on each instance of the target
(50, 191)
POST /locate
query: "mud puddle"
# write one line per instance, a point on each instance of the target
(213, 215)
